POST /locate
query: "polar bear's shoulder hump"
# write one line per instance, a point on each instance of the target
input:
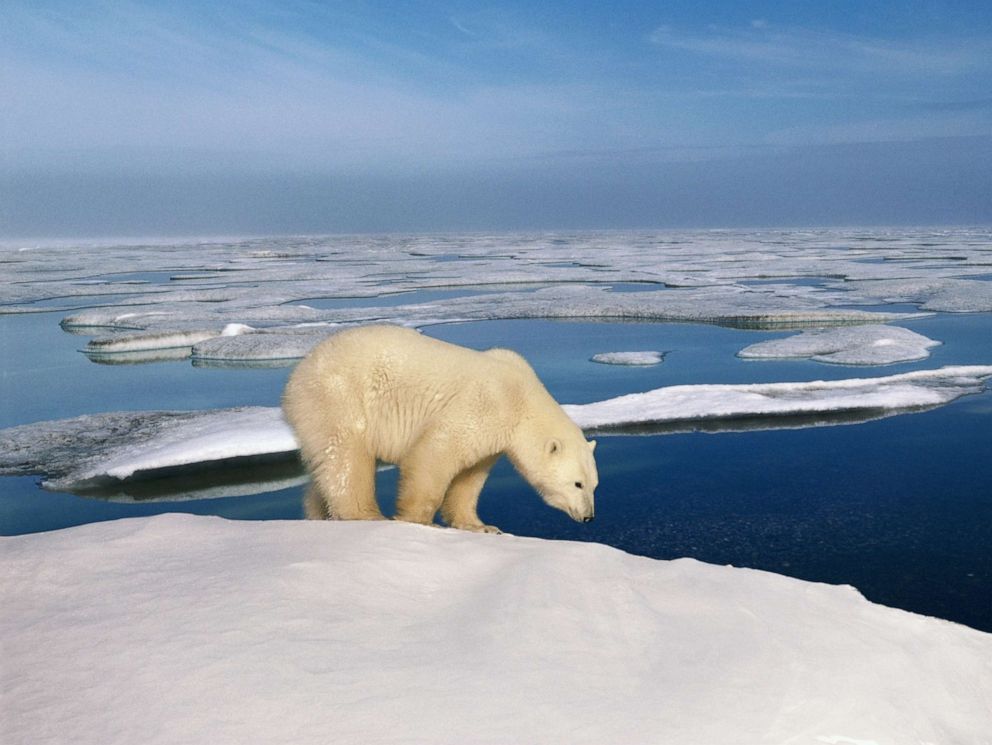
(508, 355)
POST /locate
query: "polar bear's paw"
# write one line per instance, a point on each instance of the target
(489, 529)
(479, 528)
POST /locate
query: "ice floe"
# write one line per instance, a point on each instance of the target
(930, 293)
(99, 451)
(200, 630)
(629, 358)
(144, 341)
(848, 345)
(693, 406)
(92, 450)
(278, 346)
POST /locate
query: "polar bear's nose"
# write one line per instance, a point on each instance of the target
(588, 518)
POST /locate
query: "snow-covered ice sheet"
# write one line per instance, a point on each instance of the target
(182, 629)
(90, 451)
(847, 345)
(699, 403)
(286, 344)
(629, 358)
(144, 341)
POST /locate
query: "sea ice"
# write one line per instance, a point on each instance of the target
(934, 293)
(849, 345)
(690, 404)
(144, 341)
(91, 450)
(629, 358)
(184, 629)
(285, 344)
(96, 450)
(704, 276)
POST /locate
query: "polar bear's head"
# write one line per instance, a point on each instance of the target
(567, 477)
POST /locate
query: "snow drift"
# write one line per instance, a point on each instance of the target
(181, 629)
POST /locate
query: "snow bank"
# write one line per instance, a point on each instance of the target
(850, 345)
(89, 451)
(629, 358)
(182, 629)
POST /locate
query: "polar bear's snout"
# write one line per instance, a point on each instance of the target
(579, 507)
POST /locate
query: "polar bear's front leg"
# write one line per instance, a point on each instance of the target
(459, 508)
(424, 478)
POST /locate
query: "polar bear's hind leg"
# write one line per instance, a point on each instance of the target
(344, 478)
(314, 504)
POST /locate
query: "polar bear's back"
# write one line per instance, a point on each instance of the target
(390, 383)
(398, 354)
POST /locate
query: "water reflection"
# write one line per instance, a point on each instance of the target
(236, 477)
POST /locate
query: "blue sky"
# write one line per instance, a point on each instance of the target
(274, 116)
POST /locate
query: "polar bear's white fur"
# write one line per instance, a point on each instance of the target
(443, 413)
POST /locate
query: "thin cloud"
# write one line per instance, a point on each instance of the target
(804, 49)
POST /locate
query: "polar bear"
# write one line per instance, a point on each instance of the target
(443, 413)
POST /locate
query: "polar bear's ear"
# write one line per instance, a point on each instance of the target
(592, 444)
(553, 447)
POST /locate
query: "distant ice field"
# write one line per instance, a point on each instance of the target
(897, 507)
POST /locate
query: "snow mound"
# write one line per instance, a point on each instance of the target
(629, 358)
(182, 629)
(851, 345)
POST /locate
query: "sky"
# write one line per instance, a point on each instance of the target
(292, 116)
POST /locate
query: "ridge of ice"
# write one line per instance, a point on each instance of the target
(179, 628)
(849, 345)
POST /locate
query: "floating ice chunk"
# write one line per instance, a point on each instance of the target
(629, 358)
(707, 654)
(245, 432)
(849, 345)
(144, 341)
(698, 403)
(91, 451)
(169, 354)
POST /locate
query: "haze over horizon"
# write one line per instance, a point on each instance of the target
(265, 117)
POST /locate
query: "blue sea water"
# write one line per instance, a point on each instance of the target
(901, 508)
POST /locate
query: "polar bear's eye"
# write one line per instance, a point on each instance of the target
(578, 484)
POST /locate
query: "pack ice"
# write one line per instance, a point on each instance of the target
(139, 301)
